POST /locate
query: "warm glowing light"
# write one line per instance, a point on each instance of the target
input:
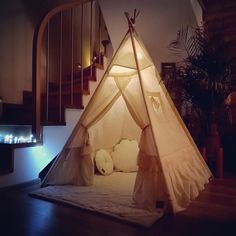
(87, 58)
(121, 71)
(139, 55)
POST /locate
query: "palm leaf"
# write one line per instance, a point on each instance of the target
(180, 44)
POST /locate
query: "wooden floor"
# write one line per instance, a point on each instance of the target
(213, 213)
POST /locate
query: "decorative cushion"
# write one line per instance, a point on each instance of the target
(104, 162)
(125, 156)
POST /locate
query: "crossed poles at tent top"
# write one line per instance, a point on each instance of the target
(131, 20)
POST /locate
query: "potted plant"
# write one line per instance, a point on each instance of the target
(204, 69)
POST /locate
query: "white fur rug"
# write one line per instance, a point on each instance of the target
(110, 195)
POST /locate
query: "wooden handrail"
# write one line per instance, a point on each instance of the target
(36, 68)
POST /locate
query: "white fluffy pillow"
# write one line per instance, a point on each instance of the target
(125, 156)
(104, 162)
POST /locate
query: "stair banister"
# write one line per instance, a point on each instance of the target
(36, 69)
(60, 68)
(82, 45)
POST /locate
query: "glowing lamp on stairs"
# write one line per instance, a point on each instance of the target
(79, 66)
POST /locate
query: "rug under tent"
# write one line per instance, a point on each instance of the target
(110, 195)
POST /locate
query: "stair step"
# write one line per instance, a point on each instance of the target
(53, 114)
(27, 97)
(53, 123)
(19, 114)
(67, 85)
(16, 113)
(86, 73)
(53, 103)
(53, 100)
(24, 113)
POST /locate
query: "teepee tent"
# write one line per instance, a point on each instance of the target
(131, 102)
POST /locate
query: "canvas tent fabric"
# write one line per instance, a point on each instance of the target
(131, 102)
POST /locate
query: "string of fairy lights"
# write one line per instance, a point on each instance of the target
(12, 139)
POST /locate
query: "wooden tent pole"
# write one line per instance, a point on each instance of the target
(131, 22)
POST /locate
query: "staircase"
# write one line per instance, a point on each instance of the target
(65, 65)
(17, 118)
(22, 114)
(71, 45)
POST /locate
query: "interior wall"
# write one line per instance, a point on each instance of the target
(15, 41)
(157, 23)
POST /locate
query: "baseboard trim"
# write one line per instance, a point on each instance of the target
(21, 186)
